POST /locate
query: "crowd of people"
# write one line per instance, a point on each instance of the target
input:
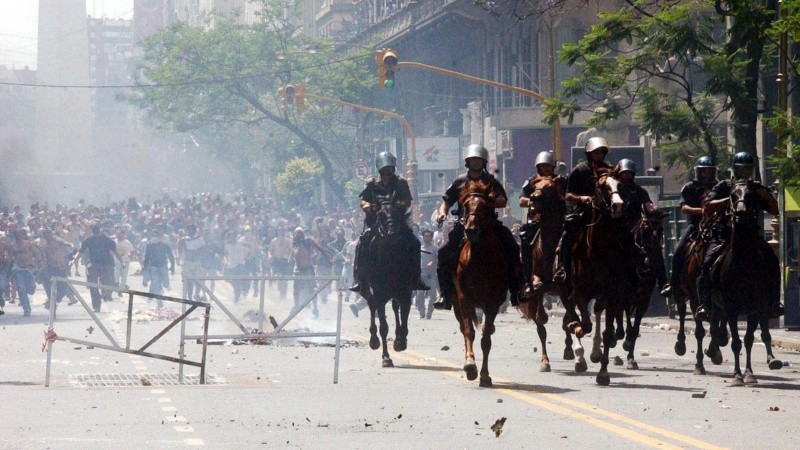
(232, 234)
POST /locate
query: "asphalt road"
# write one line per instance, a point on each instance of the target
(282, 395)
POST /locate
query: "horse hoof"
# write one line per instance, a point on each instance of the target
(595, 357)
(617, 361)
(749, 378)
(680, 348)
(472, 371)
(775, 364)
(723, 340)
(612, 343)
(633, 365)
(399, 345)
(579, 333)
(579, 352)
(485, 381)
(627, 345)
(387, 363)
(374, 343)
(581, 366)
(544, 367)
(619, 334)
(699, 371)
(603, 379)
(569, 355)
(737, 381)
(717, 358)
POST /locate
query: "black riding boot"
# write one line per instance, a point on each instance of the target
(416, 257)
(564, 257)
(444, 273)
(519, 293)
(703, 296)
(361, 249)
(526, 237)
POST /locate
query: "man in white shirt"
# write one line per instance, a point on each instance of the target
(122, 267)
(428, 264)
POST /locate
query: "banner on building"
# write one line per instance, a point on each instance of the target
(437, 153)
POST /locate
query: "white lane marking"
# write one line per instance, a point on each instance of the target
(157, 391)
(164, 400)
(175, 419)
(169, 408)
(194, 442)
(184, 429)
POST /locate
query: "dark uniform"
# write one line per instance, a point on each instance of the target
(527, 232)
(634, 198)
(692, 194)
(448, 254)
(581, 181)
(397, 190)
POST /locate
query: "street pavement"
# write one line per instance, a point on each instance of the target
(282, 395)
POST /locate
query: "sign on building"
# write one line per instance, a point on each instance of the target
(437, 153)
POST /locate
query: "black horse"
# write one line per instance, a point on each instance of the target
(748, 275)
(392, 277)
(648, 235)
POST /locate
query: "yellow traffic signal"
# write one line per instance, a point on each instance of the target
(386, 61)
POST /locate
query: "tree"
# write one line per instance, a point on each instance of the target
(227, 76)
(679, 65)
(299, 178)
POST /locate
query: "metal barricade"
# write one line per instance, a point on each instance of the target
(259, 333)
(51, 336)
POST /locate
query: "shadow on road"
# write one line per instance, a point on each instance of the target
(654, 387)
(19, 383)
(430, 368)
(532, 388)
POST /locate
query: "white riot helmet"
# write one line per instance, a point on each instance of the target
(476, 151)
(385, 159)
(546, 157)
(596, 144)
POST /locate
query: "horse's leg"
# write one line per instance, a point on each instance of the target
(596, 352)
(749, 337)
(633, 334)
(736, 347)
(699, 334)
(715, 329)
(586, 318)
(544, 366)
(680, 345)
(401, 318)
(603, 379)
(580, 363)
(374, 343)
(465, 321)
(569, 354)
(384, 329)
(486, 344)
(619, 331)
(766, 338)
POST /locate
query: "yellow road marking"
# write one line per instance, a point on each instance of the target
(420, 358)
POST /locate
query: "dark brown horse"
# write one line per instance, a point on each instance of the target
(602, 270)
(481, 275)
(388, 281)
(686, 295)
(648, 235)
(547, 202)
(748, 274)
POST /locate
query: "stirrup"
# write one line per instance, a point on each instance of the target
(666, 290)
(442, 303)
(701, 313)
(421, 285)
(560, 276)
(355, 287)
(777, 311)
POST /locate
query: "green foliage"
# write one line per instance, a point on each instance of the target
(677, 67)
(299, 179)
(353, 188)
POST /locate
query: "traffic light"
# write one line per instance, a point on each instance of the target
(292, 96)
(300, 96)
(386, 60)
(289, 95)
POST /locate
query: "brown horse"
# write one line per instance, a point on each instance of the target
(481, 275)
(686, 292)
(547, 201)
(602, 270)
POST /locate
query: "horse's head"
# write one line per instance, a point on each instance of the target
(607, 197)
(649, 231)
(478, 204)
(744, 206)
(546, 195)
(390, 217)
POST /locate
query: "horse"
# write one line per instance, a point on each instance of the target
(686, 292)
(648, 235)
(602, 269)
(748, 277)
(481, 274)
(547, 200)
(389, 281)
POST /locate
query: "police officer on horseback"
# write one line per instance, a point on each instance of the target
(693, 194)
(545, 168)
(392, 187)
(476, 159)
(637, 202)
(581, 186)
(743, 165)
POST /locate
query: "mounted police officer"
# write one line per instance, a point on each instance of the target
(693, 194)
(636, 202)
(476, 159)
(743, 165)
(545, 168)
(391, 186)
(581, 186)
